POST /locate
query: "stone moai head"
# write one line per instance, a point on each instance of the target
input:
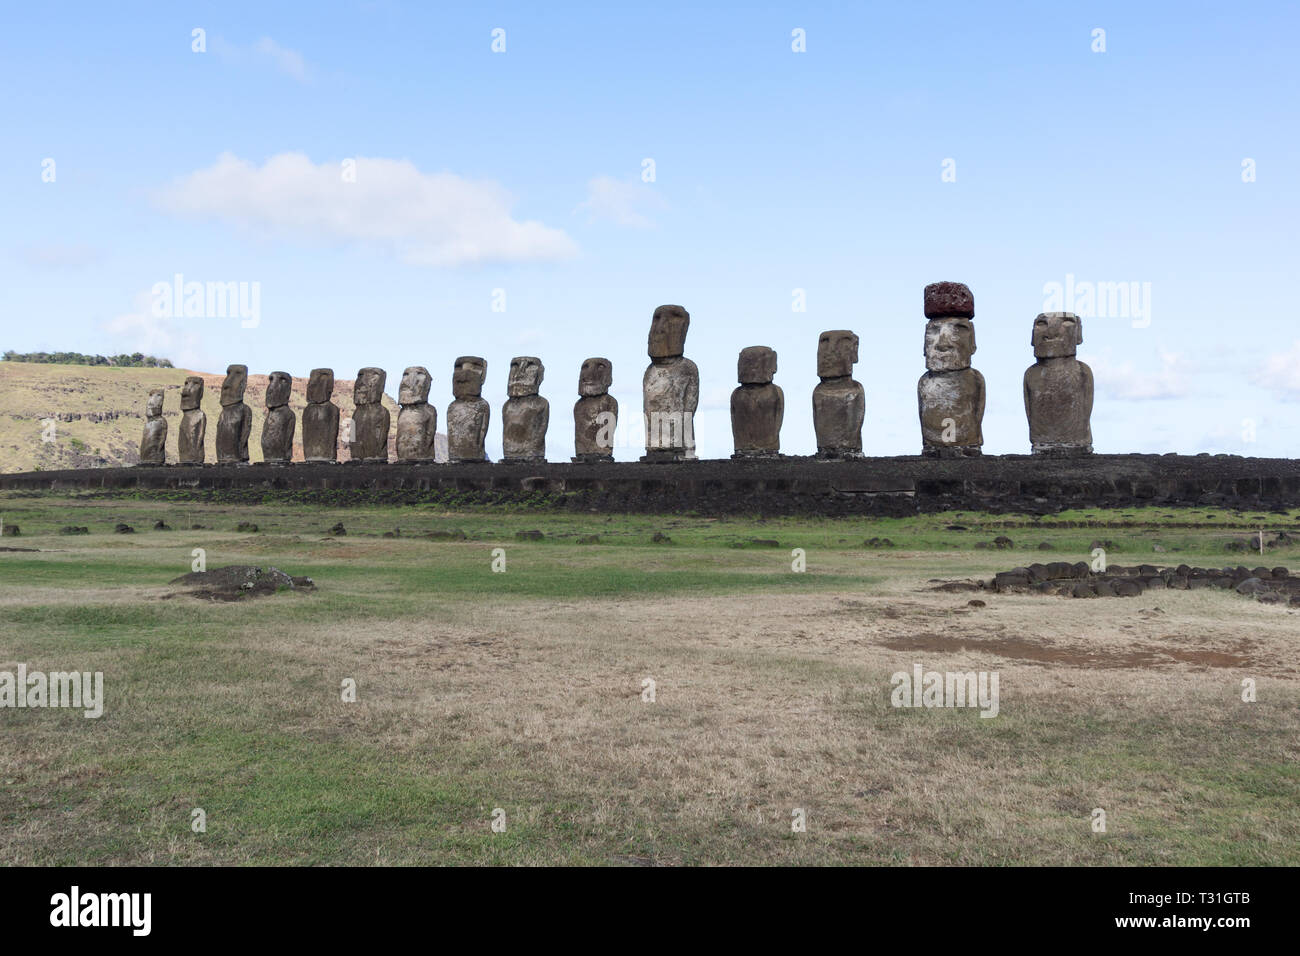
(949, 331)
(467, 378)
(153, 406)
(757, 365)
(837, 353)
(526, 373)
(415, 386)
(596, 377)
(278, 387)
(1057, 334)
(320, 386)
(191, 393)
(232, 389)
(369, 386)
(668, 329)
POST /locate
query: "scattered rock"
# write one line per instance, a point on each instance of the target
(238, 581)
(74, 529)
(11, 531)
(338, 529)
(121, 528)
(533, 535)
(878, 543)
(976, 603)
(1001, 542)
(1046, 546)
(246, 526)
(161, 525)
(661, 538)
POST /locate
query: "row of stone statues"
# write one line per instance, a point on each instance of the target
(1058, 393)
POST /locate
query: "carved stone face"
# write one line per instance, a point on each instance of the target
(668, 329)
(949, 344)
(320, 386)
(596, 377)
(232, 389)
(191, 393)
(1057, 334)
(278, 387)
(415, 386)
(369, 386)
(756, 365)
(467, 377)
(154, 406)
(949, 300)
(837, 352)
(526, 373)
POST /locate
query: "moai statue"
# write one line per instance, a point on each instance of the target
(194, 423)
(757, 406)
(525, 415)
(1058, 388)
(467, 416)
(278, 425)
(417, 422)
(236, 419)
(370, 420)
(839, 402)
(320, 419)
(950, 395)
(671, 388)
(153, 441)
(595, 416)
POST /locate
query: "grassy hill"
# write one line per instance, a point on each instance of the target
(98, 413)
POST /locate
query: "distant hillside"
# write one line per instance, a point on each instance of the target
(98, 414)
(134, 360)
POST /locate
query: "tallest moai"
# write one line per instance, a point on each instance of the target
(671, 388)
(950, 395)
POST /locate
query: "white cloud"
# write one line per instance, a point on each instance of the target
(287, 61)
(433, 219)
(141, 331)
(1128, 382)
(1281, 372)
(622, 202)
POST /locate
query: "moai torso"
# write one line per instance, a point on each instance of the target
(417, 422)
(194, 423)
(468, 415)
(670, 388)
(757, 406)
(595, 415)
(278, 425)
(320, 419)
(839, 402)
(950, 395)
(236, 419)
(370, 420)
(1058, 389)
(153, 440)
(525, 415)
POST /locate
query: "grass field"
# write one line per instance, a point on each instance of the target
(523, 691)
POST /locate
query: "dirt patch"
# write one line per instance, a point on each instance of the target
(1035, 652)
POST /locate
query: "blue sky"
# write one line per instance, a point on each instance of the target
(774, 171)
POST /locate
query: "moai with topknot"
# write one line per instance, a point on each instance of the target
(236, 419)
(417, 421)
(670, 389)
(370, 420)
(595, 416)
(950, 395)
(194, 423)
(320, 419)
(153, 440)
(757, 406)
(839, 402)
(468, 415)
(279, 424)
(525, 415)
(1058, 389)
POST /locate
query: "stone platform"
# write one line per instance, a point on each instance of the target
(789, 485)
